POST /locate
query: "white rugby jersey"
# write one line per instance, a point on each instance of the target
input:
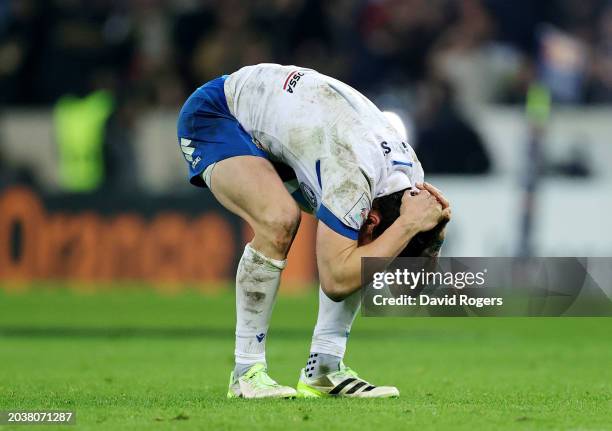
(342, 148)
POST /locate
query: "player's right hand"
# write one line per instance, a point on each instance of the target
(421, 210)
(446, 209)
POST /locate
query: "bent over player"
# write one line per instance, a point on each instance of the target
(349, 167)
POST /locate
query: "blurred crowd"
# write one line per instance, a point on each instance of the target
(435, 59)
(162, 49)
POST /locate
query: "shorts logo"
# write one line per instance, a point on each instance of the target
(187, 149)
(292, 81)
(195, 162)
(309, 195)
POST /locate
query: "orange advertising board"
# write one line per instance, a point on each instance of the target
(171, 246)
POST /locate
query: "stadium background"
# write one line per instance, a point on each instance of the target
(97, 218)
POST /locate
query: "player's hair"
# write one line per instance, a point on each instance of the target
(389, 209)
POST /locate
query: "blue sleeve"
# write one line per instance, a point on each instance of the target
(334, 223)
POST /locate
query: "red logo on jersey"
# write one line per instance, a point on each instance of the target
(292, 81)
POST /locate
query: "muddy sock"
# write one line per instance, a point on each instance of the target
(257, 281)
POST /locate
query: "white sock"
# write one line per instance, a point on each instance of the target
(257, 281)
(334, 323)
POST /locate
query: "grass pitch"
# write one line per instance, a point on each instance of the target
(133, 359)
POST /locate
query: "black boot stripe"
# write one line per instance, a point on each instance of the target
(369, 388)
(356, 388)
(341, 386)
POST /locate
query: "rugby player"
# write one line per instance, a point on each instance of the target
(347, 165)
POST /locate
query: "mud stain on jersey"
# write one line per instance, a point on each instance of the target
(302, 139)
(340, 147)
(346, 188)
(343, 151)
(339, 95)
(328, 92)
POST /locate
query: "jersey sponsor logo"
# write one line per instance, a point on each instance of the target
(358, 213)
(309, 195)
(292, 80)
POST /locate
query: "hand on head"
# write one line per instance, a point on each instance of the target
(425, 207)
(442, 200)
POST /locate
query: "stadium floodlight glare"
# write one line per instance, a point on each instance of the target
(397, 122)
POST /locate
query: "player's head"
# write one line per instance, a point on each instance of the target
(385, 210)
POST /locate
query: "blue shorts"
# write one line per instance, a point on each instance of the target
(208, 132)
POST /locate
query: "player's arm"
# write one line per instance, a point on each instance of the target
(339, 257)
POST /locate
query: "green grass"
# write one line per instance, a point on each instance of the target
(136, 360)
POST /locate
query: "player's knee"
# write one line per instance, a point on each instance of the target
(281, 224)
(336, 290)
(334, 293)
